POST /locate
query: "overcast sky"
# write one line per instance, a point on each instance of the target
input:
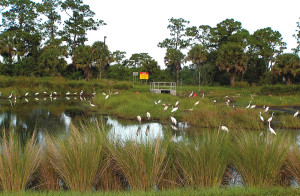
(137, 26)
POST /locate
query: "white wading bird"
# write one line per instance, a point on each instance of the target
(174, 109)
(91, 104)
(174, 121)
(270, 129)
(139, 118)
(296, 114)
(271, 118)
(148, 115)
(261, 118)
(267, 109)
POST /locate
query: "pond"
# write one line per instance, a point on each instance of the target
(54, 117)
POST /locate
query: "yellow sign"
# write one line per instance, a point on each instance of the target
(144, 75)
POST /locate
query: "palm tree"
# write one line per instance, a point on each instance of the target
(232, 59)
(287, 65)
(197, 55)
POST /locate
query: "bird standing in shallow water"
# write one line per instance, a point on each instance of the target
(148, 115)
(139, 118)
(296, 114)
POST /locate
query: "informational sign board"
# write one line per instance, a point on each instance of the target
(144, 75)
(135, 73)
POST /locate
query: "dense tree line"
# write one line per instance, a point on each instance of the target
(34, 41)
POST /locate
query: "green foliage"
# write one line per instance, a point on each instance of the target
(288, 66)
(280, 90)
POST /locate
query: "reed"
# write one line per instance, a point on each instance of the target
(77, 159)
(293, 163)
(203, 162)
(259, 159)
(142, 164)
(18, 163)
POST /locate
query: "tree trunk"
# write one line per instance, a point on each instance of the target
(232, 78)
(289, 80)
(177, 73)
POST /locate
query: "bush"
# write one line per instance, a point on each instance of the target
(242, 84)
(280, 90)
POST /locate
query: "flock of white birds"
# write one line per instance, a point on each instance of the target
(222, 127)
(174, 123)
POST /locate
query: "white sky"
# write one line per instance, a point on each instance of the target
(136, 26)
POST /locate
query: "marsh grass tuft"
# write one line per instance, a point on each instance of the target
(259, 159)
(17, 163)
(142, 164)
(203, 162)
(77, 159)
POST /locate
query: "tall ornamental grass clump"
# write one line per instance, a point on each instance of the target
(259, 159)
(203, 162)
(77, 160)
(142, 164)
(293, 163)
(18, 162)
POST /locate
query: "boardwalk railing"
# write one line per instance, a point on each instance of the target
(163, 87)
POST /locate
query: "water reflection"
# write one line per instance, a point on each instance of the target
(124, 132)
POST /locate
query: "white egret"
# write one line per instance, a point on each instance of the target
(68, 98)
(165, 109)
(296, 114)
(155, 102)
(106, 96)
(148, 115)
(45, 92)
(248, 106)
(36, 94)
(55, 93)
(271, 118)
(261, 118)
(203, 95)
(75, 93)
(177, 102)
(81, 92)
(215, 101)
(10, 96)
(45, 99)
(116, 93)
(50, 94)
(139, 118)
(36, 98)
(196, 103)
(26, 94)
(253, 106)
(91, 104)
(26, 100)
(174, 121)
(191, 94)
(267, 109)
(158, 101)
(224, 128)
(271, 129)
(174, 109)
(68, 93)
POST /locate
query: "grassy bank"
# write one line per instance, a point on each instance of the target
(87, 160)
(179, 192)
(217, 105)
